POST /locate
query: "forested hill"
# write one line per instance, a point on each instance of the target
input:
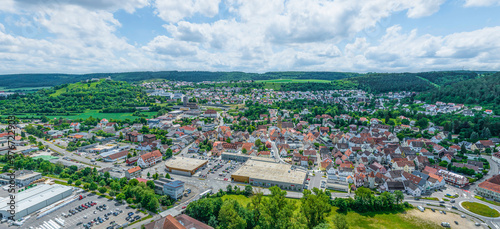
(418, 82)
(375, 82)
(483, 91)
(45, 80)
(105, 96)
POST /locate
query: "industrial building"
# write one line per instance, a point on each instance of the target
(184, 166)
(22, 177)
(267, 174)
(34, 199)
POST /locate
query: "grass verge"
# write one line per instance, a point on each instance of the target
(480, 209)
(487, 201)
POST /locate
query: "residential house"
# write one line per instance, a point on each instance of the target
(133, 173)
(149, 159)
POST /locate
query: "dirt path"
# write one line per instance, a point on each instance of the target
(439, 217)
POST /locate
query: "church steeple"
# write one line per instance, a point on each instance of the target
(279, 121)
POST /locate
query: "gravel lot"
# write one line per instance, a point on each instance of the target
(437, 217)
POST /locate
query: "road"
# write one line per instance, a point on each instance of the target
(73, 156)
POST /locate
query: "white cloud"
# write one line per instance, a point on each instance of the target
(256, 36)
(164, 45)
(479, 3)
(110, 5)
(176, 10)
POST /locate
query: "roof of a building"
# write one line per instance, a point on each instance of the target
(184, 163)
(34, 196)
(492, 184)
(175, 184)
(155, 154)
(271, 171)
(135, 169)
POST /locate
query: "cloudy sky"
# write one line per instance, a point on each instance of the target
(84, 36)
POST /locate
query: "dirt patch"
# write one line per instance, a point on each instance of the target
(437, 217)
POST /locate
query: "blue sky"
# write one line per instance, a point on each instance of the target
(84, 36)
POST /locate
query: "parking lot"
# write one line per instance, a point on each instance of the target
(86, 215)
(218, 169)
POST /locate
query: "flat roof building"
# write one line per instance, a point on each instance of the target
(184, 166)
(34, 199)
(267, 174)
(22, 177)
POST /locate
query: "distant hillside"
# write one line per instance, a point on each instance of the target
(418, 82)
(104, 96)
(373, 82)
(448, 77)
(387, 82)
(484, 91)
(44, 80)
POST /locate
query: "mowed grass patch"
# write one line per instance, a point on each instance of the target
(480, 209)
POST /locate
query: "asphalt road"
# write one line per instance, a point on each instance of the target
(72, 155)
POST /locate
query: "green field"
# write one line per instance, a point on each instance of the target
(380, 220)
(361, 220)
(93, 113)
(293, 81)
(73, 86)
(480, 209)
(21, 88)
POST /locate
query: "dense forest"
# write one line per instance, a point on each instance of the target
(107, 96)
(387, 82)
(313, 86)
(482, 91)
(418, 82)
(447, 78)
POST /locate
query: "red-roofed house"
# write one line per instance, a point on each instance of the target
(490, 188)
(133, 173)
(149, 159)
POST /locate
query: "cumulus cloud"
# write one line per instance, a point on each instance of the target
(479, 3)
(110, 5)
(253, 36)
(176, 10)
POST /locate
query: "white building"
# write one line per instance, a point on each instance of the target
(34, 199)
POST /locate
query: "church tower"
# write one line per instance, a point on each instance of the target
(279, 121)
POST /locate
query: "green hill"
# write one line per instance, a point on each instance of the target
(104, 96)
(484, 91)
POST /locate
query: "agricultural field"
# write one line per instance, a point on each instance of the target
(21, 89)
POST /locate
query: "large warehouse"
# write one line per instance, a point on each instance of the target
(267, 174)
(184, 166)
(34, 199)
